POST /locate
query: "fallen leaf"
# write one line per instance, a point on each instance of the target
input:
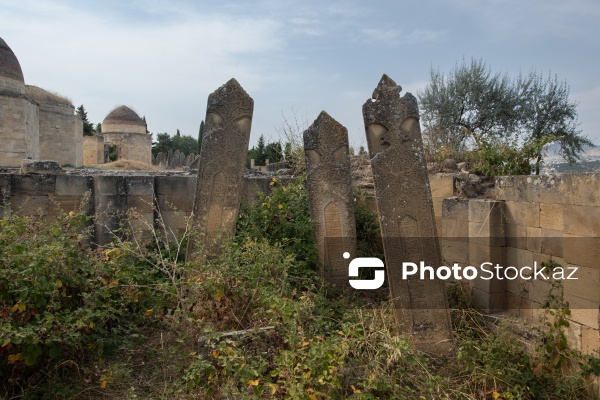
(12, 358)
(220, 294)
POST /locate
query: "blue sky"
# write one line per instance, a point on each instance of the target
(163, 58)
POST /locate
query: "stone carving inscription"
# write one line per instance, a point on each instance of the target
(221, 165)
(406, 215)
(330, 191)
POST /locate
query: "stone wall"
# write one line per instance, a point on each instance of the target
(19, 121)
(133, 201)
(61, 134)
(93, 150)
(133, 146)
(117, 128)
(533, 220)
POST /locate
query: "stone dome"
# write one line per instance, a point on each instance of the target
(123, 115)
(9, 64)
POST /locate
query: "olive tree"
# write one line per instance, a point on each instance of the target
(472, 107)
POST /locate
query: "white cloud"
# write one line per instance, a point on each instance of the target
(397, 36)
(165, 69)
(533, 17)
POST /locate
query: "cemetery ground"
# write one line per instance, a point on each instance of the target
(124, 322)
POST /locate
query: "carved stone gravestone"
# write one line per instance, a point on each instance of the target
(329, 182)
(221, 165)
(160, 158)
(406, 215)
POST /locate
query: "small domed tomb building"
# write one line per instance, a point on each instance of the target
(124, 128)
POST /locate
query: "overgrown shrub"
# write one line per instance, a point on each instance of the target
(60, 302)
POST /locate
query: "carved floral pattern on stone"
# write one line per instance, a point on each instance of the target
(406, 214)
(329, 182)
(222, 162)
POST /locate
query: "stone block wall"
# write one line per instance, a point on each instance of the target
(93, 150)
(442, 186)
(133, 146)
(139, 202)
(175, 201)
(123, 202)
(61, 134)
(19, 129)
(533, 220)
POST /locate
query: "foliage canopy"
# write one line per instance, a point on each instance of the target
(472, 107)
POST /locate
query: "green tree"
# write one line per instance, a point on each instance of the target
(200, 134)
(98, 128)
(551, 113)
(163, 144)
(261, 155)
(473, 107)
(273, 152)
(88, 127)
(183, 143)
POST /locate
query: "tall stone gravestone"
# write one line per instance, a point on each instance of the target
(406, 215)
(329, 182)
(221, 167)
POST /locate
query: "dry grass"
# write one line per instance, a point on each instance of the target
(128, 165)
(42, 95)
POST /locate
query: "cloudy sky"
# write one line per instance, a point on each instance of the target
(299, 57)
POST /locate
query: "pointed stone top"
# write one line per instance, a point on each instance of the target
(231, 86)
(385, 84)
(325, 134)
(324, 115)
(233, 96)
(325, 118)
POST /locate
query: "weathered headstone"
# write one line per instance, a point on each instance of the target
(196, 163)
(221, 167)
(181, 162)
(169, 159)
(160, 158)
(329, 183)
(406, 215)
(174, 161)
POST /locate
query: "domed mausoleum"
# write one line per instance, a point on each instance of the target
(19, 124)
(35, 123)
(126, 133)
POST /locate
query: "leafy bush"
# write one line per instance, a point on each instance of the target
(281, 217)
(60, 301)
(506, 158)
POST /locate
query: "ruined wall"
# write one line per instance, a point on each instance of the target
(533, 220)
(137, 201)
(19, 129)
(133, 146)
(93, 150)
(61, 134)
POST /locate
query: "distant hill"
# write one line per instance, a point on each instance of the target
(590, 161)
